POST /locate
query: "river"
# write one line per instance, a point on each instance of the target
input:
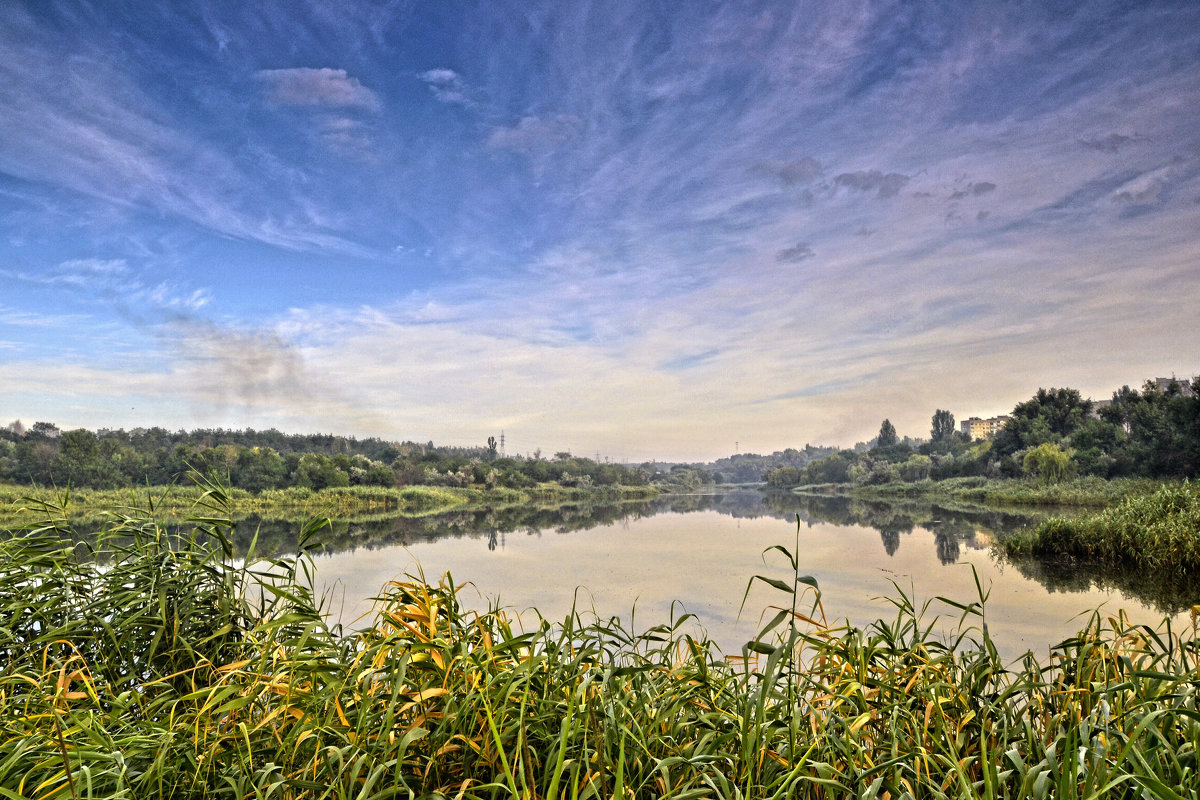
(653, 561)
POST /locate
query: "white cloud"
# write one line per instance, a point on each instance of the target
(100, 140)
(350, 137)
(533, 135)
(119, 286)
(325, 87)
(447, 86)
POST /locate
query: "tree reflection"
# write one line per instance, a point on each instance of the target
(952, 524)
(947, 547)
(1165, 592)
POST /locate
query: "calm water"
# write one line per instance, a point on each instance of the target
(696, 554)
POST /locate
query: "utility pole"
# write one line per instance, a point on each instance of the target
(501, 442)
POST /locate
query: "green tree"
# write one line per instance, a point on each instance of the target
(1048, 462)
(259, 468)
(916, 468)
(1048, 417)
(943, 426)
(82, 462)
(316, 471)
(887, 435)
(783, 477)
(379, 475)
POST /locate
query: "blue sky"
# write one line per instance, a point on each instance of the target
(640, 229)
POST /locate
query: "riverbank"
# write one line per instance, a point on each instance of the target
(1159, 531)
(164, 674)
(1131, 524)
(21, 504)
(1083, 492)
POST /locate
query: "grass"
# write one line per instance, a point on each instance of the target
(1159, 532)
(175, 671)
(1089, 492)
(18, 504)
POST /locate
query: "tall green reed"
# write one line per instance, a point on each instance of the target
(171, 669)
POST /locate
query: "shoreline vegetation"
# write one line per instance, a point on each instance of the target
(1087, 492)
(1123, 522)
(171, 672)
(1135, 455)
(22, 504)
(1128, 523)
(1158, 531)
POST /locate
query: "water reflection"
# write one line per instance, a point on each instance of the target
(954, 526)
(1166, 593)
(960, 532)
(701, 550)
(490, 524)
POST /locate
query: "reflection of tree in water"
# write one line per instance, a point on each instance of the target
(890, 530)
(947, 547)
(279, 536)
(951, 526)
(1166, 593)
(949, 532)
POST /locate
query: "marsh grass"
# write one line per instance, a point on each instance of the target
(1088, 492)
(20, 504)
(175, 671)
(1159, 532)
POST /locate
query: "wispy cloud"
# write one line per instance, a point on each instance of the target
(884, 185)
(795, 254)
(100, 137)
(117, 284)
(534, 135)
(674, 223)
(447, 86)
(1112, 143)
(348, 136)
(790, 173)
(324, 87)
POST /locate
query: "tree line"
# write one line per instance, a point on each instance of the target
(44, 455)
(1056, 434)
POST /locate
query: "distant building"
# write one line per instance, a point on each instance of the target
(977, 428)
(1185, 386)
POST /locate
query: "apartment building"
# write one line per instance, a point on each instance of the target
(977, 428)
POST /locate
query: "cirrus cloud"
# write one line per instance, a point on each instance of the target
(447, 86)
(794, 255)
(535, 134)
(885, 185)
(326, 87)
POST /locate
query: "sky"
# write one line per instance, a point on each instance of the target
(642, 229)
